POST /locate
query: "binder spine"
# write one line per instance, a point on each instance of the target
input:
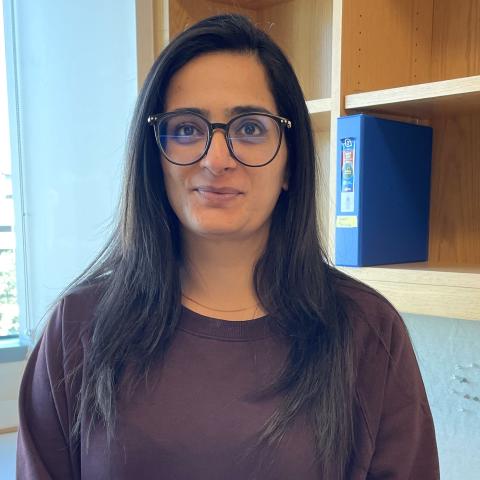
(348, 221)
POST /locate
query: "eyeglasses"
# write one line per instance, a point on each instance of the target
(253, 139)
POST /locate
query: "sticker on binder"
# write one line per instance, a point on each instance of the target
(347, 221)
(347, 203)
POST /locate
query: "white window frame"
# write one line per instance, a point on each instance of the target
(16, 349)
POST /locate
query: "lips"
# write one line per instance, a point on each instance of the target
(218, 190)
(217, 196)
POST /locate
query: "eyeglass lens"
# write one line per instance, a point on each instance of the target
(254, 139)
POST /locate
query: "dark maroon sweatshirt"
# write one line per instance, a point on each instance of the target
(192, 419)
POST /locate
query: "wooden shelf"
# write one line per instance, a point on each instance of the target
(320, 111)
(251, 4)
(457, 96)
(348, 54)
(3, 431)
(321, 105)
(420, 288)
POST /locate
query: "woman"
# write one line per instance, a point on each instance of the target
(211, 339)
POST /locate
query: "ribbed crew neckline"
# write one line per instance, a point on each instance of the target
(252, 329)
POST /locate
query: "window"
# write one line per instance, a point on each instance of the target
(65, 181)
(9, 311)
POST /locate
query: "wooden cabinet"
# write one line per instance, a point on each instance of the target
(420, 60)
(417, 60)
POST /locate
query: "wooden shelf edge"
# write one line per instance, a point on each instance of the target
(425, 292)
(320, 112)
(320, 105)
(463, 88)
(252, 4)
(419, 274)
(8, 430)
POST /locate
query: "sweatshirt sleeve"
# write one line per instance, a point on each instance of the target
(405, 445)
(43, 450)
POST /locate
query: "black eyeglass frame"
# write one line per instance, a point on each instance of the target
(154, 121)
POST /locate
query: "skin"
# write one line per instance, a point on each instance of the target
(223, 234)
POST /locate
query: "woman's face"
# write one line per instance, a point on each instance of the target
(221, 84)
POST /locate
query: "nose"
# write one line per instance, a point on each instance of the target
(218, 157)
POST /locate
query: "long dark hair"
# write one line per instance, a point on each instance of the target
(138, 270)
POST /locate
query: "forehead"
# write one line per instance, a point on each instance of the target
(217, 82)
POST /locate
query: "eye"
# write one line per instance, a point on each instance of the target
(250, 128)
(186, 130)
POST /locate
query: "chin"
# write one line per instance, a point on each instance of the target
(223, 225)
(217, 232)
(215, 223)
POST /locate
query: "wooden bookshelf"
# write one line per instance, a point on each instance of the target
(251, 4)
(420, 61)
(410, 60)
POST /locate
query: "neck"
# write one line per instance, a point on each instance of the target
(218, 275)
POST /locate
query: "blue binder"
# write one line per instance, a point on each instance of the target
(383, 191)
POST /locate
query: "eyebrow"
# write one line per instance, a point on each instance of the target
(246, 109)
(230, 112)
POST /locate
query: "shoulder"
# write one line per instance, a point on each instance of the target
(384, 354)
(375, 322)
(387, 371)
(79, 304)
(71, 319)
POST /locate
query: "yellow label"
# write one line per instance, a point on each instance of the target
(347, 221)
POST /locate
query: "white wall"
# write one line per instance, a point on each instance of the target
(11, 375)
(448, 354)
